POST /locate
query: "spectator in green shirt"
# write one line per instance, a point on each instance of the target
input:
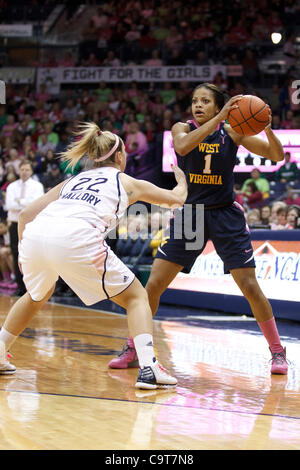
(103, 92)
(287, 172)
(161, 31)
(261, 183)
(51, 136)
(168, 93)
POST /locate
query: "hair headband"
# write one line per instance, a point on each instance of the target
(104, 157)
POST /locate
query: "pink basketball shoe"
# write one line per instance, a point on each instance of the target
(127, 357)
(279, 363)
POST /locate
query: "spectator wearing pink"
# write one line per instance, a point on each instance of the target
(100, 19)
(67, 61)
(238, 35)
(281, 220)
(158, 106)
(238, 194)
(203, 32)
(56, 114)
(293, 198)
(28, 143)
(86, 98)
(42, 95)
(40, 111)
(91, 61)
(10, 126)
(155, 61)
(130, 118)
(147, 10)
(136, 136)
(38, 131)
(104, 37)
(133, 90)
(133, 35)
(252, 196)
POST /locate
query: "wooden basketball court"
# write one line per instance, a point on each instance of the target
(63, 396)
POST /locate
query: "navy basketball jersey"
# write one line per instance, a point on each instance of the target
(209, 169)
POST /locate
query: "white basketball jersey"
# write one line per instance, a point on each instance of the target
(96, 196)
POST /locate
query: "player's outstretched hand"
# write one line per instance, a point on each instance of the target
(270, 119)
(231, 104)
(179, 175)
(181, 187)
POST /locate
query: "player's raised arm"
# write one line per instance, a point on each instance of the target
(271, 149)
(140, 190)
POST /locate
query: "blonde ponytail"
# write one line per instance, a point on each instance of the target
(92, 142)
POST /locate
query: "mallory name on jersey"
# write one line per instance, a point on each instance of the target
(90, 198)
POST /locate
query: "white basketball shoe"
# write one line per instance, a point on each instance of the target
(154, 376)
(5, 367)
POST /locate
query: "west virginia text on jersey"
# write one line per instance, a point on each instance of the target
(205, 179)
(209, 169)
(209, 148)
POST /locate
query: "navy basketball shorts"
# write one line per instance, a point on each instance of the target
(227, 229)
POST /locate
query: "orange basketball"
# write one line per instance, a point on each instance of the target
(251, 116)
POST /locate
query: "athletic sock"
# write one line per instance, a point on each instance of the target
(130, 342)
(7, 338)
(270, 332)
(144, 349)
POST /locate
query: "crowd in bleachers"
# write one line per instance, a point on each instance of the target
(38, 126)
(154, 32)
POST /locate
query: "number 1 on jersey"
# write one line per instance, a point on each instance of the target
(207, 170)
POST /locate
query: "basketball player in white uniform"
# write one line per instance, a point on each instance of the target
(63, 234)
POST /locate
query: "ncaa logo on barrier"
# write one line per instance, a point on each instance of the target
(2, 92)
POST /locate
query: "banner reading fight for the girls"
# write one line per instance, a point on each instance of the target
(193, 73)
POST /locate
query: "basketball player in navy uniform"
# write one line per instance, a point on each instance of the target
(206, 149)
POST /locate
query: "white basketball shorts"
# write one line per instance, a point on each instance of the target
(74, 250)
